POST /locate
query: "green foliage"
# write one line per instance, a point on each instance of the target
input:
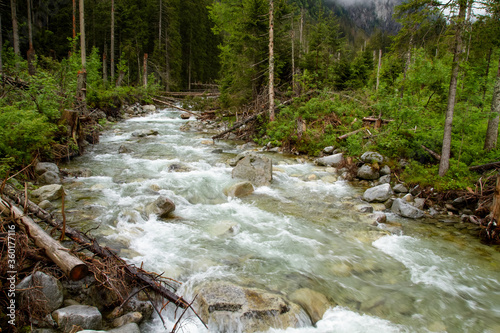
(24, 133)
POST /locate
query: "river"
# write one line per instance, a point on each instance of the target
(303, 231)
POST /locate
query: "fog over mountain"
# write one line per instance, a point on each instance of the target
(370, 14)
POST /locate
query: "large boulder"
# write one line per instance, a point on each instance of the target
(313, 302)
(144, 133)
(87, 317)
(400, 188)
(41, 288)
(48, 192)
(333, 160)
(239, 190)
(404, 209)
(368, 172)
(49, 177)
(131, 317)
(378, 193)
(232, 308)
(372, 157)
(43, 167)
(149, 108)
(257, 169)
(162, 207)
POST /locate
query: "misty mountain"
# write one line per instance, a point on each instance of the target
(367, 14)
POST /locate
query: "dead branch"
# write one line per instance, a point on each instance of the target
(238, 125)
(345, 136)
(173, 106)
(431, 152)
(484, 167)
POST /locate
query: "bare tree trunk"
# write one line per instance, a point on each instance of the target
(378, 68)
(271, 60)
(105, 64)
(490, 141)
(293, 57)
(112, 69)
(1, 44)
(495, 207)
(74, 19)
(145, 70)
(82, 75)
(31, 50)
(159, 25)
(444, 163)
(15, 30)
(167, 63)
(301, 29)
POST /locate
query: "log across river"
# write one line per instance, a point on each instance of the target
(305, 231)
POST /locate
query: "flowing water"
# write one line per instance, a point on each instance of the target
(303, 231)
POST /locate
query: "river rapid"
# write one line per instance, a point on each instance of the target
(305, 230)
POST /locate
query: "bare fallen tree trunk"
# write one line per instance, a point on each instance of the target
(92, 245)
(173, 106)
(345, 136)
(73, 267)
(238, 125)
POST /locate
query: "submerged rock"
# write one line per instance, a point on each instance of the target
(313, 302)
(227, 307)
(239, 190)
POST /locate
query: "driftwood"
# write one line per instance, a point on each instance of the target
(433, 153)
(92, 245)
(238, 125)
(173, 106)
(73, 267)
(484, 167)
(373, 119)
(345, 136)
(15, 82)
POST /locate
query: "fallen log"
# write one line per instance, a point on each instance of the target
(173, 106)
(484, 167)
(238, 125)
(73, 267)
(431, 152)
(345, 136)
(92, 245)
(373, 119)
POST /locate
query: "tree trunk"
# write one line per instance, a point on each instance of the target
(105, 65)
(378, 68)
(15, 30)
(1, 44)
(490, 141)
(82, 75)
(444, 164)
(145, 70)
(167, 62)
(293, 57)
(271, 60)
(112, 69)
(31, 50)
(159, 26)
(74, 19)
(73, 267)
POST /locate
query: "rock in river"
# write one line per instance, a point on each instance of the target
(378, 193)
(257, 169)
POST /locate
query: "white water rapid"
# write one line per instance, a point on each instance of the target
(303, 231)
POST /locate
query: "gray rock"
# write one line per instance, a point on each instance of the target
(80, 172)
(232, 162)
(385, 170)
(240, 309)
(313, 302)
(136, 305)
(149, 108)
(48, 192)
(385, 179)
(364, 209)
(328, 150)
(43, 167)
(49, 177)
(162, 207)
(129, 328)
(372, 157)
(87, 317)
(400, 188)
(185, 116)
(378, 193)
(124, 150)
(239, 190)
(332, 160)
(46, 205)
(144, 133)
(131, 317)
(368, 172)
(406, 210)
(419, 203)
(257, 169)
(41, 287)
